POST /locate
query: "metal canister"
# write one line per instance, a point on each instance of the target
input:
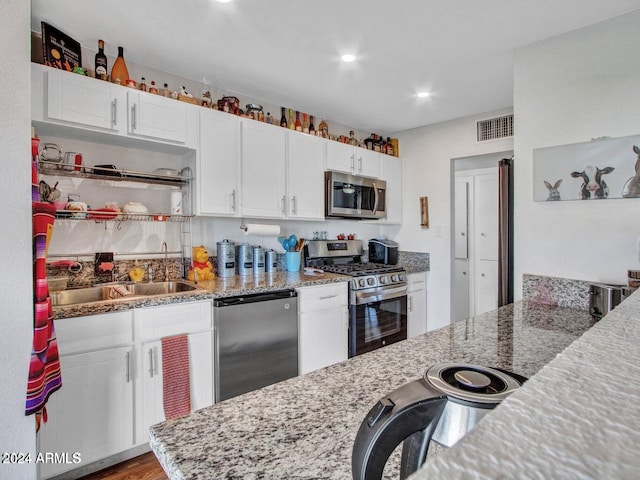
(245, 259)
(226, 259)
(270, 261)
(258, 260)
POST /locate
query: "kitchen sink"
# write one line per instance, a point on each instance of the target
(108, 292)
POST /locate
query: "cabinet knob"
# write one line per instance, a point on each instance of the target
(462, 233)
(464, 273)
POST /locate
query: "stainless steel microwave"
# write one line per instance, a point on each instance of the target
(351, 196)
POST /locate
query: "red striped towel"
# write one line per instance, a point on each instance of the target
(176, 396)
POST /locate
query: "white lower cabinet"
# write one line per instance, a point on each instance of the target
(92, 414)
(112, 379)
(152, 324)
(416, 304)
(486, 286)
(323, 326)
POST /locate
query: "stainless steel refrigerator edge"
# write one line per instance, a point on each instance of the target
(256, 342)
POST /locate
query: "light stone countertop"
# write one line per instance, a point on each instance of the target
(304, 427)
(578, 418)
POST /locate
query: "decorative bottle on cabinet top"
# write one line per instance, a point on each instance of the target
(101, 62)
(119, 72)
(283, 118)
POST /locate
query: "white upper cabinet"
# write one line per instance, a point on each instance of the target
(156, 117)
(486, 225)
(342, 157)
(305, 176)
(391, 172)
(82, 101)
(218, 164)
(263, 170)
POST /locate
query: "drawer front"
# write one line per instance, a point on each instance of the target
(81, 334)
(323, 296)
(168, 320)
(416, 281)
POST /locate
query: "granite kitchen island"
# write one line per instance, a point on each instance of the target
(304, 428)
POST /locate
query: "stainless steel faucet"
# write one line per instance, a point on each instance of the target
(150, 272)
(166, 263)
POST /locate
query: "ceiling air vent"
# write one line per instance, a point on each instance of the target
(494, 128)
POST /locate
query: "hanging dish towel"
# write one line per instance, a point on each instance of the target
(44, 367)
(175, 376)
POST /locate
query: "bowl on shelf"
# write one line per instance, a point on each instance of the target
(103, 214)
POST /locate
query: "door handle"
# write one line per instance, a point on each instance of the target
(327, 297)
(353, 163)
(410, 304)
(359, 164)
(233, 200)
(114, 112)
(128, 366)
(151, 369)
(283, 204)
(293, 205)
(133, 116)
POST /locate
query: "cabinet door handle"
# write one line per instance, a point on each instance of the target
(284, 199)
(133, 117)
(353, 163)
(128, 363)
(327, 297)
(359, 164)
(293, 205)
(151, 369)
(114, 112)
(233, 200)
(410, 304)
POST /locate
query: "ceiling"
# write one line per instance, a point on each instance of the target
(287, 52)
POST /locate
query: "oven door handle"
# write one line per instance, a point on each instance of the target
(364, 297)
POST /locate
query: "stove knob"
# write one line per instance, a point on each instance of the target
(402, 277)
(383, 279)
(394, 278)
(371, 281)
(361, 282)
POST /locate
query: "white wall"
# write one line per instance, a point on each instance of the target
(572, 88)
(17, 432)
(427, 154)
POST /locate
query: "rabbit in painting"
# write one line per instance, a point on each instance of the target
(554, 194)
(632, 186)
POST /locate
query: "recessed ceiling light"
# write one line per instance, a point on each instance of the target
(423, 94)
(348, 57)
(224, 1)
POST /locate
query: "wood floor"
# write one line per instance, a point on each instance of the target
(144, 467)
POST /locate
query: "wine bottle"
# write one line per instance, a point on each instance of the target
(292, 125)
(283, 118)
(101, 62)
(119, 72)
(312, 129)
(305, 123)
(389, 149)
(298, 123)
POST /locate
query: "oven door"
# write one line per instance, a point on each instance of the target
(377, 322)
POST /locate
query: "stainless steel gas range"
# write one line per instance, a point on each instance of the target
(377, 293)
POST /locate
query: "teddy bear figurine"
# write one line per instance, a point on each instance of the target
(201, 265)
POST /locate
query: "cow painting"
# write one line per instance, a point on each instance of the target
(593, 185)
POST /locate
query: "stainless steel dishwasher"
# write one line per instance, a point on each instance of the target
(256, 341)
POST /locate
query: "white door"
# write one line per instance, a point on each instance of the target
(341, 157)
(323, 338)
(218, 165)
(200, 376)
(416, 304)
(85, 101)
(486, 217)
(263, 170)
(92, 413)
(367, 162)
(305, 176)
(157, 117)
(462, 292)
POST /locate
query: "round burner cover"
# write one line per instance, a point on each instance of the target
(471, 383)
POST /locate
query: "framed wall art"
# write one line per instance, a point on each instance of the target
(596, 170)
